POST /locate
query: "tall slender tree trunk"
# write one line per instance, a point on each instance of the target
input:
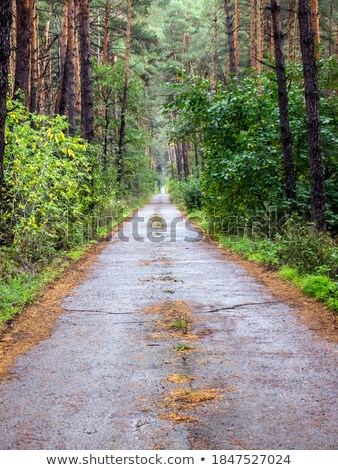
(185, 154)
(196, 155)
(289, 171)
(315, 26)
(231, 41)
(23, 39)
(34, 68)
(289, 31)
(214, 54)
(43, 92)
(236, 30)
(5, 35)
(307, 41)
(331, 29)
(295, 33)
(253, 52)
(120, 161)
(77, 60)
(260, 34)
(12, 59)
(87, 103)
(69, 77)
(106, 33)
(59, 105)
(178, 161)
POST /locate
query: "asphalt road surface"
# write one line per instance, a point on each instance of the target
(169, 345)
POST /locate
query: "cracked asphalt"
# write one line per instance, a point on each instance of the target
(103, 380)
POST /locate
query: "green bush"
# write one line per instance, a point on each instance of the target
(306, 249)
(320, 287)
(187, 194)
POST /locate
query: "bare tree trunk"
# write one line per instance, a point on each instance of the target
(307, 41)
(178, 161)
(253, 52)
(214, 55)
(260, 34)
(315, 25)
(42, 98)
(295, 34)
(34, 69)
(12, 60)
(185, 154)
(230, 28)
(290, 7)
(5, 35)
(289, 171)
(331, 30)
(120, 161)
(87, 103)
(196, 155)
(23, 39)
(236, 42)
(106, 33)
(59, 107)
(69, 77)
(77, 61)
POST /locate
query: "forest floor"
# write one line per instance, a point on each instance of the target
(158, 339)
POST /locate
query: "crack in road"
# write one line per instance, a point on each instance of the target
(196, 312)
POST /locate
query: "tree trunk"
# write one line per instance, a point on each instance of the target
(289, 171)
(236, 43)
(178, 161)
(43, 81)
(69, 91)
(290, 7)
(34, 70)
(231, 42)
(295, 34)
(331, 28)
(106, 33)
(214, 55)
(23, 38)
(307, 41)
(87, 103)
(260, 34)
(12, 60)
(253, 34)
(59, 105)
(77, 61)
(315, 25)
(120, 161)
(5, 34)
(185, 154)
(196, 155)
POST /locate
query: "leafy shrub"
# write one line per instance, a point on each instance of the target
(187, 194)
(320, 287)
(48, 186)
(288, 273)
(306, 249)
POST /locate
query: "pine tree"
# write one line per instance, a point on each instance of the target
(307, 41)
(5, 33)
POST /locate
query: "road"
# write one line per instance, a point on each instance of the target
(170, 345)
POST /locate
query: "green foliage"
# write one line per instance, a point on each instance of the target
(47, 184)
(302, 247)
(320, 287)
(187, 194)
(239, 131)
